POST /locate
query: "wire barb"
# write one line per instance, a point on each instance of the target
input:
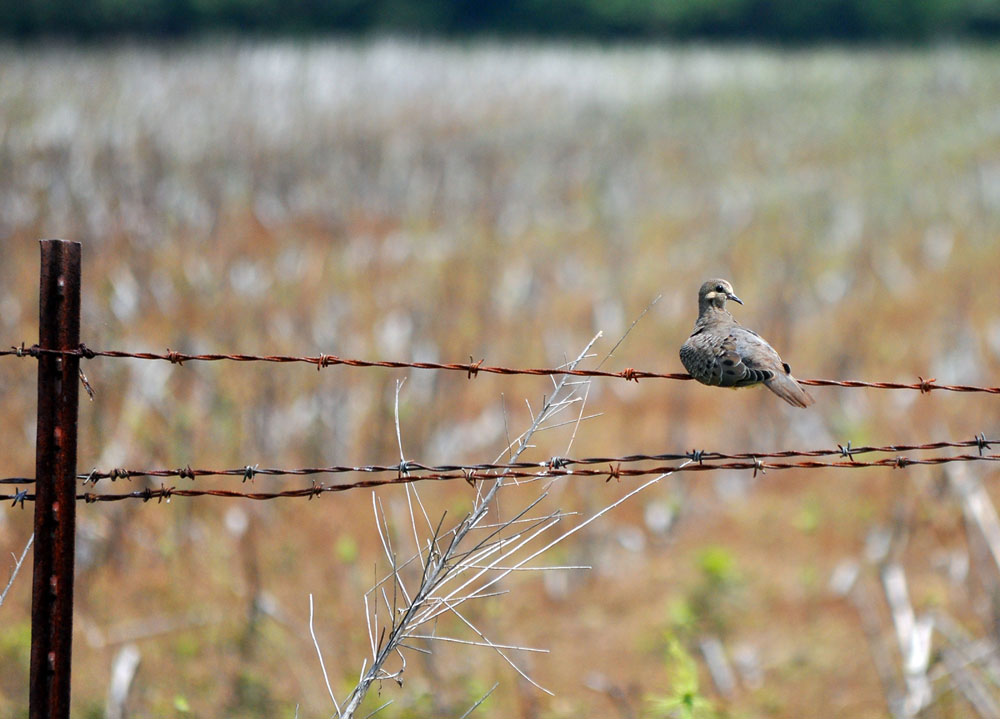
(324, 360)
(86, 383)
(556, 463)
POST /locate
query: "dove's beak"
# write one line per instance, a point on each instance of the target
(734, 298)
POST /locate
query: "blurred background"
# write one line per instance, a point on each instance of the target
(438, 180)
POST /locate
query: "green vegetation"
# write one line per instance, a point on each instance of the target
(715, 597)
(683, 698)
(785, 20)
(15, 643)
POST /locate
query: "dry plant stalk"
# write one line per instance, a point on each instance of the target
(18, 562)
(452, 566)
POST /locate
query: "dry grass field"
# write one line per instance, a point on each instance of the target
(415, 201)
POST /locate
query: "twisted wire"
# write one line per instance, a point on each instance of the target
(472, 369)
(409, 467)
(612, 472)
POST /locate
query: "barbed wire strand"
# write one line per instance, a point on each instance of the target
(612, 472)
(472, 369)
(409, 467)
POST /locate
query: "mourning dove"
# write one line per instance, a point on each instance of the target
(724, 353)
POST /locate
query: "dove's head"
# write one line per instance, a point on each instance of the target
(714, 293)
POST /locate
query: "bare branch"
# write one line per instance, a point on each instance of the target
(450, 559)
(481, 700)
(17, 568)
(319, 653)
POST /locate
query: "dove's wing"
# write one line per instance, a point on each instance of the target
(723, 359)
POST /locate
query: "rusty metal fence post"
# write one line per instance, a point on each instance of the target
(55, 488)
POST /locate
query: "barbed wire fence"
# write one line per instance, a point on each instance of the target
(411, 472)
(440, 557)
(471, 369)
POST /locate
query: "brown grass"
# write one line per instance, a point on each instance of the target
(411, 201)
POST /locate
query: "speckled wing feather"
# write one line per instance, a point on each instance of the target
(723, 353)
(726, 358)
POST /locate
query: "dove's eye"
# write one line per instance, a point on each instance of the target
(720, 288)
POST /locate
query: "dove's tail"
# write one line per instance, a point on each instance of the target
(788, 388)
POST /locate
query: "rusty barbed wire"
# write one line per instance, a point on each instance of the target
(472, 369)
(612, 472)
(249, 472)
